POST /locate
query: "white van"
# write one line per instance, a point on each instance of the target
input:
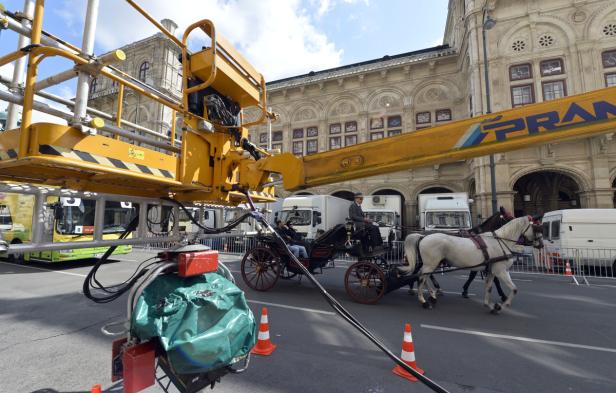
(582, 237)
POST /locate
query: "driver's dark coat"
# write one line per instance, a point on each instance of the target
(356, 214)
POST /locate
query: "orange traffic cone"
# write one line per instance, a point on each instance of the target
(568, 271)
(264, 346)
(96, 389)
(408, 356)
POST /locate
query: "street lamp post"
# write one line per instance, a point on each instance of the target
(269, 131)
(489, 23)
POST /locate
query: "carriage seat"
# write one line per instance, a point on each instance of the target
(324, 246)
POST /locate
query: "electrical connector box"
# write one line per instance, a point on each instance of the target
(139, 370)
(116, 358)
(196, 263)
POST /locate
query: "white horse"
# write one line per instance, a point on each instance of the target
(462, 252)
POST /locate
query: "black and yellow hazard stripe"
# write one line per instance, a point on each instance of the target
(261, 194)
(105, 161)
(8, 154)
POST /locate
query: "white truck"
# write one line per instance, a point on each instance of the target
(582, 237)
(311, 213)
(386, 211)
(271, 209)
(447, 212)
(247, 227)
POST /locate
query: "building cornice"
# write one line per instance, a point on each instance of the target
(363, 67)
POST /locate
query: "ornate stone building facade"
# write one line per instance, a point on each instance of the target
(537, 50)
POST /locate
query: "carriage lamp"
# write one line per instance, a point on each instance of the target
(526, 198)
(348, 225)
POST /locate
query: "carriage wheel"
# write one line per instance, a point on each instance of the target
(260, 269)
(365, 282)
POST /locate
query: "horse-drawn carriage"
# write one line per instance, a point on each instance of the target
(366, 281)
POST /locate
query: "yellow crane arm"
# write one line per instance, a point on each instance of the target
(567, 118)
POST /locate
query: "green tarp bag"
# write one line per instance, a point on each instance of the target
(203, 322)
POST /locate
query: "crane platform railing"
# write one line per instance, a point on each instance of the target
(78, 156)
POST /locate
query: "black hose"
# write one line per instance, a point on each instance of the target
(91, 280)
(208, 230)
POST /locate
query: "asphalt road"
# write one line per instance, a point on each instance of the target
(556, 338)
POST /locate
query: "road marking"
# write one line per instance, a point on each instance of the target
(518, 338)
(603, 285)
(514, 279)
(46, 270)
(457, 293)
(312, 310)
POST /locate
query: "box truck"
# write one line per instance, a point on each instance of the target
(311, 213)
(448, 212)
(386, 211)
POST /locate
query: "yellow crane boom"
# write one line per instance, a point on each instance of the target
(568, 118)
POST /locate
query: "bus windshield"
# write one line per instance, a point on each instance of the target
(117, 217)
(296, 217)
(6, 222)
(79, 220)
(448, 220)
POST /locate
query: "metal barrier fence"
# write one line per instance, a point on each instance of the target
(238, 244)
(583, 262)
(233, 244)
(548, 261)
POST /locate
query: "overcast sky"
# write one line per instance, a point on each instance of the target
(280, 37)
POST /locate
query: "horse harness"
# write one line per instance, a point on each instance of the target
(480, 243)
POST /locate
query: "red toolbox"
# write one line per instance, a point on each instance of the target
(195, 263)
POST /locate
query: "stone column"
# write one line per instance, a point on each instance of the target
(597, 198)
(363, 120)
(411, 214)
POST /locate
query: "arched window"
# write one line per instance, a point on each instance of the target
(143, 70)
(93, 85)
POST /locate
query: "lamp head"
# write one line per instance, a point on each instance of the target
(489, 23)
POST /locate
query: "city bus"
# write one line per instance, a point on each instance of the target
(67, 219)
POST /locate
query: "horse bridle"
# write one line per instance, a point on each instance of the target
(537, 229)
(523, 240)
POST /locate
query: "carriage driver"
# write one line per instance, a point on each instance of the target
(356, 214)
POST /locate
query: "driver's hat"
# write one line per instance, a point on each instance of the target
(358, 195)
